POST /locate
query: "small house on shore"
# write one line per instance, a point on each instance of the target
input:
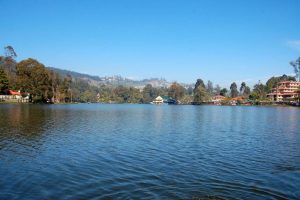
(15, 96)
(217, 99)
(158, 100)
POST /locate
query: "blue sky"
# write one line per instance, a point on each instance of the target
(221, 41)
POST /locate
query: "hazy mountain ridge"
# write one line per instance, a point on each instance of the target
(115, 80)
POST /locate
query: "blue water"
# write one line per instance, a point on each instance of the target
(95, 151)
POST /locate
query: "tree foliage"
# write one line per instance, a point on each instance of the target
(9, 52)
(259, 91)
(242, 88)
(176, 91)
(247, 91)
(33, 78)
(296, 65)
(217, 90)
(3, 82)
(273, 81)
(210, 88)
(199, 82)
(223, 92)
(44, 85)
(200, 93)
(233, 90)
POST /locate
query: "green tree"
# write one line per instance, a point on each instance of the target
(176, 91)
(259, 90)
(210, 88)
(296, 65)
(273, 81)
(65, 91)
(223, 92)
(199, 83)
(55, 83)
(247, 91)
(9, 52)
(8, 64)
(233, 90)
(201, 95)
(135, 96)
(253, 96)
(242, 88)
(148, 93)
(189, 91)
(32, 77)
(122, 94)
(3, 82)
(88, 96)
(217, 90)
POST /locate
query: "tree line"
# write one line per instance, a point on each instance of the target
(44, 85)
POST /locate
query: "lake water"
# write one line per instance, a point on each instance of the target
(94, 151)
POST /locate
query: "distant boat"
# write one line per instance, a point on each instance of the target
(171, 101)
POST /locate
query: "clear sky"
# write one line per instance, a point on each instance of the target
(221, 41)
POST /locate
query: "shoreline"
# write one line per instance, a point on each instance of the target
(279, 104)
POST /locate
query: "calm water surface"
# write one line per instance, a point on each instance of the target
(94, 151)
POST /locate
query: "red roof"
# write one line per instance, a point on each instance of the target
(218, 97)
(13, 92)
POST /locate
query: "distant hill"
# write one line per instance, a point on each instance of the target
(114, 80)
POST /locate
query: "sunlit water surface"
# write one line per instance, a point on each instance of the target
(94, 151)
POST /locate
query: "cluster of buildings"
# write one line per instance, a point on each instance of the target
(285, 91)
(15, 96)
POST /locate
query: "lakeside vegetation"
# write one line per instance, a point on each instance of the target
(46, 86)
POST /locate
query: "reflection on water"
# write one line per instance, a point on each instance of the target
(146, 152)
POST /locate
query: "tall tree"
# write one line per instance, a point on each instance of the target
(199, 83)
(33, 77)
(8, 64)
(200, 93)
(148, 93)
(176, 91)
(9, 52)
(260, 90)
(217, 89)
(210, 87)
(189, 91)
(3, 82)
(65, 89)
(242, 88)
(296, 65)
(233, 90)
(247, 91)
(55, 83)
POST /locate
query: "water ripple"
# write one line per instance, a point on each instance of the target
(148, 152)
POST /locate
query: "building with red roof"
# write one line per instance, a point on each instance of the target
(14, 92)
(285, 91)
